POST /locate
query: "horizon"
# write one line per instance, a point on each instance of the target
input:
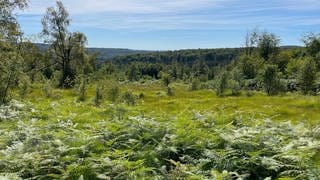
(178, 25)
(152, 50)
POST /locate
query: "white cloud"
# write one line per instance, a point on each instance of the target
(126, 6)
(301, 4)
(137, 15)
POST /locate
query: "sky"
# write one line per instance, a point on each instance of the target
(179, 24)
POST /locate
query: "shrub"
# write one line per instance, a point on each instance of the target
(47, 89)
(141, 96)
(24, 86)
(120, 112)
(221, 83)
(98, 95)
(271, 80)
(307, 76)
(166, 79)
(235, 87)
(170, 91)
(249, 93)
(195, 84)
(129, 98)
(55, 80)
(114, 93)
(82, 89)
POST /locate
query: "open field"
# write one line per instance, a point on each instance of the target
(191, 135)
(155, 103)
(194, 100)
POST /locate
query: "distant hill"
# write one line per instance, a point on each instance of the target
(104, 53)
(109, 53)
(212, 56)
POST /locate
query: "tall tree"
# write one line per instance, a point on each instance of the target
(200, 69)
(271, 80)
(65, 44)
(251, 41)
(33, 59)
(268, 45)
(9, 27)
(307, 76)
(312, 43)
(9, 45)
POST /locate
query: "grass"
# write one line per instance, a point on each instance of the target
(292, 106)
(162, 137)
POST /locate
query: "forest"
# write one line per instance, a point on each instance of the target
(70, 112)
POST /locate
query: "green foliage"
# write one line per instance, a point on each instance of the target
(67, 47)
(268, 45)
(195, 84)
(82, 88)
(200, 69)
(189, 135)
(221, 83)
(47, 89)
(141, 147)
(11, 59)
(10, 67)
(282, 60)
(307, 76)
(114, 93)
(133, 74)
(235, 87)
(312, 42)
(271, 80)
(24, 86)
(250, 66)
(98, 95)
(166, 79)
(9, 27)
(170, 91)
(292, 68)
(129, 98)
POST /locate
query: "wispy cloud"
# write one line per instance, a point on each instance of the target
(183, 14)
(188, 16)
(127, 6)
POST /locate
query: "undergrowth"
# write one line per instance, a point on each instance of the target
(139, 147)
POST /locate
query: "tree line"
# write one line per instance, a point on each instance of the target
(261, 65)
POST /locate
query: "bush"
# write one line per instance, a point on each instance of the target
(141, 96)
(166, 79)
(98, 95)
(307, 76)
(47, 89)
(252, 84)
(82, 89)
(170, 91)
(129, 98)
(221, 83)
(55, 80)
(235, 87)
(114, 93)
(24, 86)
(195, 84)
(249, 93)
(271, 80)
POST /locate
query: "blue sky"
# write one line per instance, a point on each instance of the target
(179, 24)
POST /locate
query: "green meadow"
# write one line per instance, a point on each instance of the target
(72, 112)
(188, 135)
